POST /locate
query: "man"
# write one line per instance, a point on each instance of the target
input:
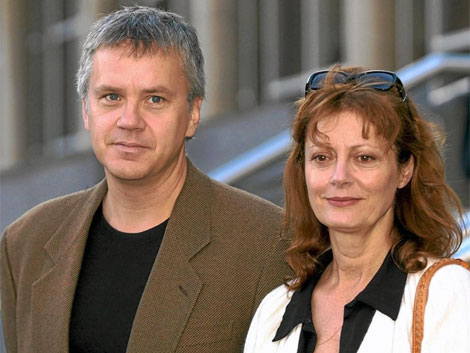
(157, 257)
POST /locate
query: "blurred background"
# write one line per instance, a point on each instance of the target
(258, 55)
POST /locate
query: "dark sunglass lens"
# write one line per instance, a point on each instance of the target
(379, 80)
(316, 80)
(341, 77)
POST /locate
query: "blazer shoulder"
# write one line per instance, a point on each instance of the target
(48, 215)
(225, 197)
(234, 198)
(247, 216)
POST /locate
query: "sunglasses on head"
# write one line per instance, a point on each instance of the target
(377, 79)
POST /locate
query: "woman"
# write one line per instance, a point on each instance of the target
(367, 200)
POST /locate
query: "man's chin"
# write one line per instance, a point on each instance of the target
(126, 175)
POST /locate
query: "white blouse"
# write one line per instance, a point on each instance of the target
(446, 321)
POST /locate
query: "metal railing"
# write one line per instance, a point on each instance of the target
(254, 159)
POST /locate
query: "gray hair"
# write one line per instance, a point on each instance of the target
(148, 29)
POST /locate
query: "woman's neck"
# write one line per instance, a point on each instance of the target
(356, 259)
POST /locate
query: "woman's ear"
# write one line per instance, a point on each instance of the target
(406, 172)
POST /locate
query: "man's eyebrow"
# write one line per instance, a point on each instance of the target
(156, 89)
(106, 88)
(159, 89)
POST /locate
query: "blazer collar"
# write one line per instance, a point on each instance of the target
(174, 285)
(52, 294)
(191, 215)
(77, 224)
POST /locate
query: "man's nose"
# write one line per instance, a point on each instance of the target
(131, 117)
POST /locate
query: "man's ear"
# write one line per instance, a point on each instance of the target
(406, 172)
(85, 115)
(194, 117)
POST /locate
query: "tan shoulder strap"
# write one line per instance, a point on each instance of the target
(421, 297)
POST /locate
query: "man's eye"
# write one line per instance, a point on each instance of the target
(155, 99)
(112, 96)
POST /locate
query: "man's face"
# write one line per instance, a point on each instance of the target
(138, 114)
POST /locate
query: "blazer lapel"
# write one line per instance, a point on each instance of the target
(53, 293)
(173, 285)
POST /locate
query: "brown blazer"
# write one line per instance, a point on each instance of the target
(221, 253)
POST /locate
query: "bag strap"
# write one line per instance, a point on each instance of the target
(421, 298)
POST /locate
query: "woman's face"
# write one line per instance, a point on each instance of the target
(352, 180)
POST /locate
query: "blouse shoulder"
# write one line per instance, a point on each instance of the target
(451, 279)
(448, 311)
(266, 321)
(450, 275)
(447, 283)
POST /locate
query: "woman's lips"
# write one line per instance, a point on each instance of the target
(342, 201)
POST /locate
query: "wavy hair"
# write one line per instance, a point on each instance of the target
(423, 211)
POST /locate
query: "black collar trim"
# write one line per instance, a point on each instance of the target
(384, 293)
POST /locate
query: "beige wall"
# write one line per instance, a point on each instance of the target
(216, 23)
(12, 98)
(369, 33)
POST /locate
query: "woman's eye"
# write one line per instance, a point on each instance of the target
(155, 99)
(365, 158)
(320, 158)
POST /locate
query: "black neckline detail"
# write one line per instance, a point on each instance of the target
(384, 293)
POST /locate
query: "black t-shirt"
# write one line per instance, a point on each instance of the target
(115, 269)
